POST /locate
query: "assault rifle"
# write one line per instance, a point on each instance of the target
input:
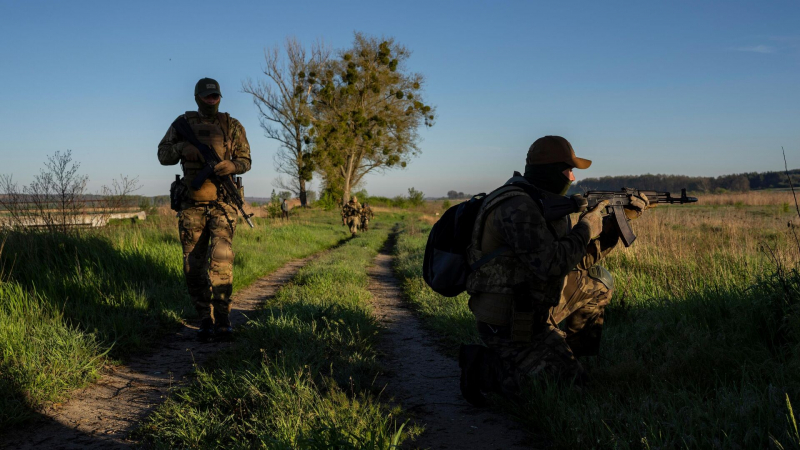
(211, 159)
(554, 208)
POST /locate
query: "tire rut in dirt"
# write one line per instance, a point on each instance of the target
(425, 382)
(102, 415)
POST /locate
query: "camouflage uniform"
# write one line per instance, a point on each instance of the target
(207, 222)
(366, 215)
(284, 210)
(546, 276)
(351, 214)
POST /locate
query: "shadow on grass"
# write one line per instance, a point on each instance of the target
(68, 302)
(712, 370)
(123, 298)
(300, 375)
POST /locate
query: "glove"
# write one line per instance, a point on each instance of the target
(593, 219)
(639, 203)
(225, 168)
(581, 202)
(189, 152)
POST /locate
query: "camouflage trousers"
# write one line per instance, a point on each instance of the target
(553, 349)
(206, 233)
(365, 224)
(354, 222)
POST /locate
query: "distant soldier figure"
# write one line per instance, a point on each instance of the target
(284, 210)
(366, 215)
(207, 220)
(547, 274)
(351, 214)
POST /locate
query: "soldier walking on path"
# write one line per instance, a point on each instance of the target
(366, 216)
(548, 274)
(207, 220)
(351, 215)
(284, 210)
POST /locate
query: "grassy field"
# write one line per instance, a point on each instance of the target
(70, 304)
(301, 372)
(701, 343)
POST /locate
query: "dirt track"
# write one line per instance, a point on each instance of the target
(425, 382)
(102, 415)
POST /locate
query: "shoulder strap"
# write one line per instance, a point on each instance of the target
(514, 187)
(225, 122)
(492, 201)
(191, 114)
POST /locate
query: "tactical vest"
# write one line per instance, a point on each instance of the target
(351, 209)
(506, 274)
(216, 135)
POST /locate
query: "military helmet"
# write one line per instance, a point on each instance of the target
(554, 149)
(206, 86)
(354, 199)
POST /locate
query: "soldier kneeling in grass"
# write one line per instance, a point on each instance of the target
(541, 274)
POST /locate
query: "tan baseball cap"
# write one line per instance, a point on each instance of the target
(553, 149)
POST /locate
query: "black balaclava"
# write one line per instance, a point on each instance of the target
(205, 109)
(549, 177)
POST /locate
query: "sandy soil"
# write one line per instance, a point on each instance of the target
(425, 382)
(102, 415)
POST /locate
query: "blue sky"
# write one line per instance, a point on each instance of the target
(696, 88)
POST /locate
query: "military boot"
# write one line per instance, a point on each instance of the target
(469, 360)
(223, 331)
(206, 331)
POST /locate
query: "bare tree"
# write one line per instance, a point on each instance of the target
(118, 196)
(12, 201)
(56, 199)
(57, 194)
(283, 103)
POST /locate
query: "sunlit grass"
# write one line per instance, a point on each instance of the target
(71, 301)
(700, 347)
(301, 373)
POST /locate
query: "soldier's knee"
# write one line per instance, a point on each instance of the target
(222, 252)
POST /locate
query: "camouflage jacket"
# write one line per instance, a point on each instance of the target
(351, 209)
(540, 254)
(366, 213)
(169, 151)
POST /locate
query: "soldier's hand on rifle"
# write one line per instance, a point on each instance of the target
(225, 168)
(594, 220)
(639, 203)
(188, 151)
(580, 202)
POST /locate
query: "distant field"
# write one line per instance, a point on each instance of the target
(702, 338)
(779, 198)
(70, 304)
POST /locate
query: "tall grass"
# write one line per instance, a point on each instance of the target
(701, 343)
(300, 374)
(69, 302)
(752, 198)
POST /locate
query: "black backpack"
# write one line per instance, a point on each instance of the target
(445, 266)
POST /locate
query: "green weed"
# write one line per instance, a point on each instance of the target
(70, 300)
(701, 342)
(301, 373)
